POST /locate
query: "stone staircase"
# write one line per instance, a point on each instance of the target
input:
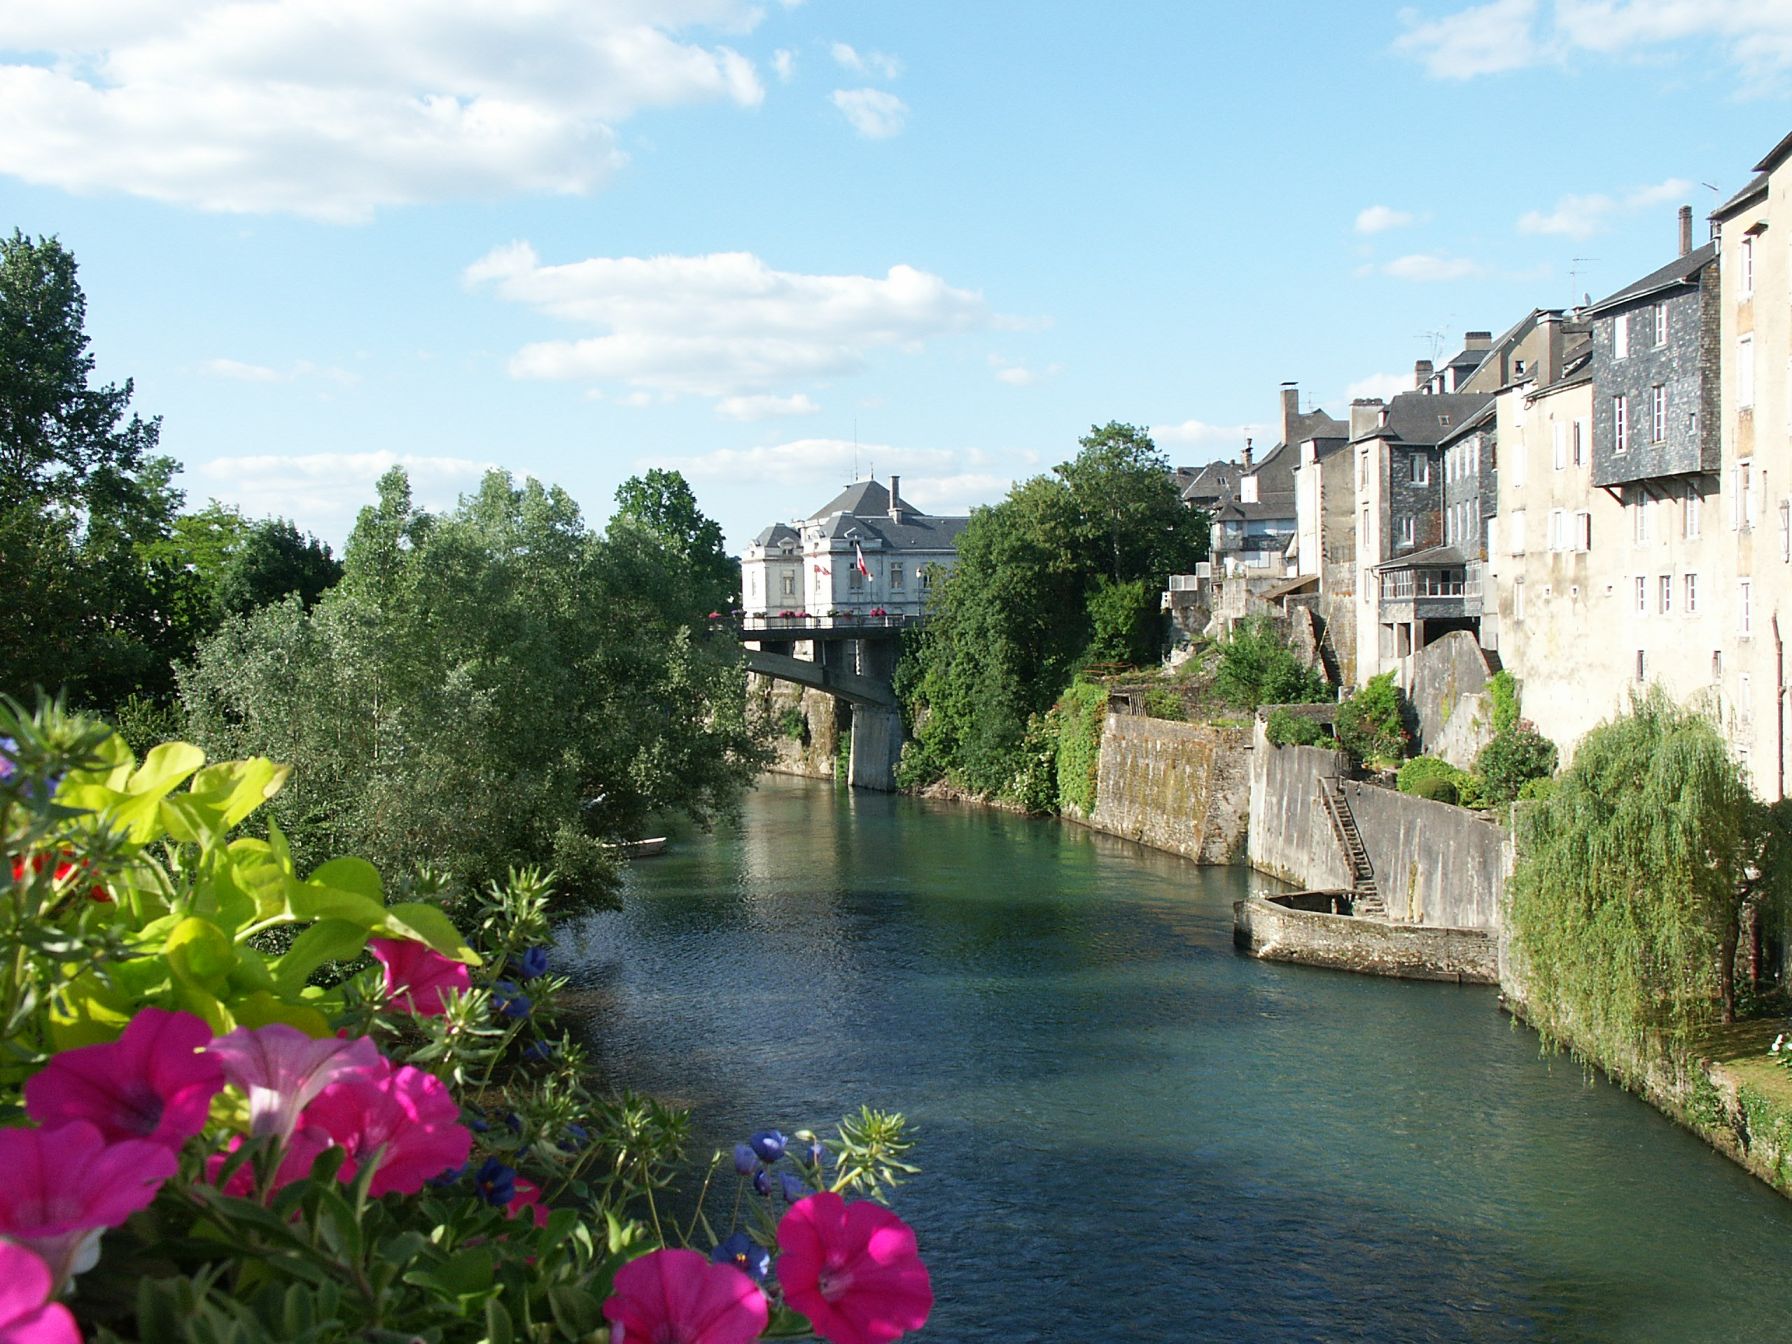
(1365, 897)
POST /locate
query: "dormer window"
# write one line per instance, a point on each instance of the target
(1444, 421)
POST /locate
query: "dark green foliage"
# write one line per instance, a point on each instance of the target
(1080, 714)
(1632, 881)
(1288, 729)
(1163, 703)
(494, 687)
(662, 503)
(1372, 723)
(1513, 759)
(1438, 788)
(1038, 575)
(792, 723)
(271, 560)
(1256, 667)
(1418, 774)
(1502, 690)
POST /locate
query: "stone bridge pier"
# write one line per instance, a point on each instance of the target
(859, 671)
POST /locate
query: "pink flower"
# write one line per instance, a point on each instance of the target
(27, 1316)
(678, 1297)
(63, 1185)
(282, 1070)
(302, 1150)
(852, 1269)
(528, 1196)
(154, 1082)
(417, 975)
(405, 1119)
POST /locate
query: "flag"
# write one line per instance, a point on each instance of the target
(858, 560)
(822, 570)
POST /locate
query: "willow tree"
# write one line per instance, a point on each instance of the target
(1633, 882)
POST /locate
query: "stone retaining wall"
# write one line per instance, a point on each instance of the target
(1181, 787)
(1290, 834)
(1342, 942)
(1434, 863)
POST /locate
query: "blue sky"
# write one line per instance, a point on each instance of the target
(767, 243)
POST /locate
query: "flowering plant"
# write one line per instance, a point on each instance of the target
(241, 1103)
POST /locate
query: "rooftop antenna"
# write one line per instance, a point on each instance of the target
(1574, 269)
(1436, 341)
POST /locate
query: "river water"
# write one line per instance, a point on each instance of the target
(1129, 1131)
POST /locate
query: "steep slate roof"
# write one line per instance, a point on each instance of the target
(861, 497)
(1214, 481)
(1418, 417)
(776, 533)
(1679, 271)
(916, 532)
(1314, 424)
(1430, 557)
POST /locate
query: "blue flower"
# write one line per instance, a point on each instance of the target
(509, 999)
(478, 1123)
(794, 1188)
(744, 1160)
(744, 1254)
(761, 1186)
(578, 1134)
(533, 963)
(495, 1182)
(513, 1122)
(448, 1176)
(9, 748)
(538, 1052)
(768, 1144)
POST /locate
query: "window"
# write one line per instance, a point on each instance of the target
(787, 586)
(1689, 584)
(1642, 670)
(1560, 435)
(1748, 266)
(854, 580)
(1558, 529)
(927, 579)
(1406, 530)
(1642, 595)
(1421, 471)
(1583, 531)
(1620, 424)
(1658, 413)
(1621, 337)
(1516, 526)
(1745, 494)
(1363, 533)
(897, 578)
(1580, 440)
(1665, 594)
(1689, 513)
(1745, 373)
(1640, 519)
(1661, 324)
(1362, 470)
(1745, 608)
(1518, 599)
(1786, 530)
(1717, 664)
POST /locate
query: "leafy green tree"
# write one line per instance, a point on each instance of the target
(1633, 880)
(1513, 759)
(1372, 723)
(270, 560)
(493, 687)
(1131, 520)
(661, 504)
(1257, 667)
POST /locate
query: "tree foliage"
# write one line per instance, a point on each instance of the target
(1372, 723)
(1632, 882)
(661, 503)
(492, 687)
(1059, 573)
(1257, 667)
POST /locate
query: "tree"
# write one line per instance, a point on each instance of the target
(1633, 880)
(494, 687)
(270, 560)
(661, 504)
(1372, 723)
(1257, 667)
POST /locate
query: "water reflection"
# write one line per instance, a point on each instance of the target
(1129, 1131)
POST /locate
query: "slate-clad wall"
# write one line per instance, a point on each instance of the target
(1290, 832)
(1182, 787)
(1434, 863)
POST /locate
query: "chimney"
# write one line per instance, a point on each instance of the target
(1549, 359)
(1477, 340)
(1685, 229)
(896, 499)
(1421, 373)
(1365, 414)
(1290, 410)
(1247, 452)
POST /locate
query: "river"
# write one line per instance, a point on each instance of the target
(1129, 1131)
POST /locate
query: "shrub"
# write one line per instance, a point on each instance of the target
(1438, 788)
(1163, 703)
(1502, 690)
(1256, 667)
(794, 724)
(1513, 759)
(1372, 723)
(1080, 712)
(1288, 729)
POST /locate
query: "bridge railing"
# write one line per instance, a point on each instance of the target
(842, 623)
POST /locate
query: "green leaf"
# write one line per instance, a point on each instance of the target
(351, 875)
(497, 1323)
(428, 924)
(237, 788)
(164, 768)
(326, 940)
(576, 1312)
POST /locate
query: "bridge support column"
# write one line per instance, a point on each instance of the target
(876, 747)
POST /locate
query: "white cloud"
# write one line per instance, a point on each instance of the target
(333, 109)
(1380, 218)
(1582, 216)
(1019, 375)
(323, 492)
(1224, 440)
(720, 325)
(1503, 35)
(1384, 386)
(238, 371)
(1422, 266)
(765, 407)
(874, 114)
(784, 64)
(866, 63)
(955, 494)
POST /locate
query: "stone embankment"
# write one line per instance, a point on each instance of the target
(1181, 787)
(1308, 928)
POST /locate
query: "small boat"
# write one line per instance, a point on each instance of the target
(639, 849)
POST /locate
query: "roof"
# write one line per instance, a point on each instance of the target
(1680, 271)
(1426, 418)
(1315, 424)
(1479, 420)
(1213, 481)
(1292, 586)
(1430, 556)
(1757, 187)
(776, 533)
(861, 497)
(1775, 155)
(1278, 505)
(916, 531)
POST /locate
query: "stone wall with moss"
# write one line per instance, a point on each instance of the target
(1182, 787)
(807, 727)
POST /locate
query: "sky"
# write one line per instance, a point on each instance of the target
(782, 245)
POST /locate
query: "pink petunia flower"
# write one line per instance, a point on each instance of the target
(282, 1070)
(679, 1297)
(27, 1316)
(527, 1198)
(417, 975)
(852, 1269)
(154, 1082)
(302, 1150)
(405, 1116)
(65, 1185)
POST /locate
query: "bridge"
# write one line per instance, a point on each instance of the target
(853, 659)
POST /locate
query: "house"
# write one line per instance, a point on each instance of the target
(865, 550)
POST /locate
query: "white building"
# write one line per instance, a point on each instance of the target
(813, 567)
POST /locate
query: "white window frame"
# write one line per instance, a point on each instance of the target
(1620, 423)
(1408, 531)
(1621, 336)
(1641, 585)
(1690, 512)
(1746, 272)
(1661, 324)
(1642, 667)
(1559, 437)
(1745, 608)
(1583, 530)
(1664, 594)
(898, 577)
(1580, 443)
(1558, 529)
(1515, 529)
(1689, 587)
(1744, 498)
(1640, 521)
(1518, 600)
(1421, 470)
(1658, 414)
